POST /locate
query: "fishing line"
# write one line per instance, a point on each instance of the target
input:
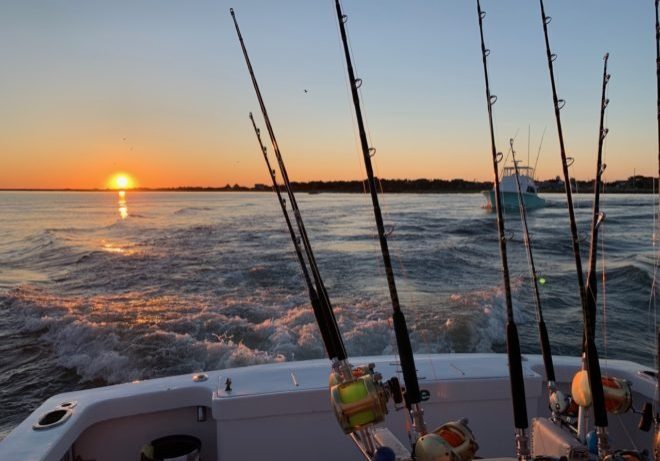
(365, 121)
(577, 192)
(588, 310)
(604, 296)
(384, 205)
(603, 257)
(538, 152)
(529, 142)
(349, 102)
(413, 301)
(356, 139)
(651, 308)
(526, 241)
(553, 394)
(656, 210)
(329, 341)
(625, 430)
(360, 96)
(413, 393)
(358, 156)
(324, 313)
(516, 378)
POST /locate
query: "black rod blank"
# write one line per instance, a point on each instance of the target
(591, 353)
(516, 378)
(335, 345)
(413, 396)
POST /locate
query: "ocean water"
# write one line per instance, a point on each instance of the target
(94, 293)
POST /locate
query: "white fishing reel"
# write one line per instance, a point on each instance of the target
(559, 402)
(452, 441)
(432, 447)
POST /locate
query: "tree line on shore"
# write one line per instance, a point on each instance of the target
(634, 184)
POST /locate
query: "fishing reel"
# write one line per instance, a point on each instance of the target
(559, 402)
(618, 397)
(564, 409)
(617, 392)
(625, 455)
(360, 399)
(452, 441)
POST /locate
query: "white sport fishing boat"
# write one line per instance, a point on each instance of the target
(282, 412)
(509, 189)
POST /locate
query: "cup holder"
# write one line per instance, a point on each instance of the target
(68, 404)
(52, 418)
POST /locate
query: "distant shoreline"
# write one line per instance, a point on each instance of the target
(632, 185)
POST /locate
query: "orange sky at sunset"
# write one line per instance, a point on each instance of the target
(161, 91)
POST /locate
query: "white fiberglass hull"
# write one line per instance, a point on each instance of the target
(510, 200)
(282, 411)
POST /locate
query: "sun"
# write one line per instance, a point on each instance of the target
(121, 181)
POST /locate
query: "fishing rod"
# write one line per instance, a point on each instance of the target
(413, 394)
(453, 439)
(512, 340)
(656, 447)
(590, 351)
(598, 216)
(313, 295)
(335, 344)
(556, 398)
(358, 395)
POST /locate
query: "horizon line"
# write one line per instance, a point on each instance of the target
(261, 187)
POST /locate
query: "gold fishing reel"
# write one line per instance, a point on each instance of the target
(359, 401)
(617, 392)
(453, 441)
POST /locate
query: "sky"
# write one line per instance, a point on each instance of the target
(159, 89)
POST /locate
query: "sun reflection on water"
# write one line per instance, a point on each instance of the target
(123, 249)
(123, 207)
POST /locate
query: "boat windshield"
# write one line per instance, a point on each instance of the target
(522, 170)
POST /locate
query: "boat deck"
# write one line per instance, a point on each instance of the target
(282, 411)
